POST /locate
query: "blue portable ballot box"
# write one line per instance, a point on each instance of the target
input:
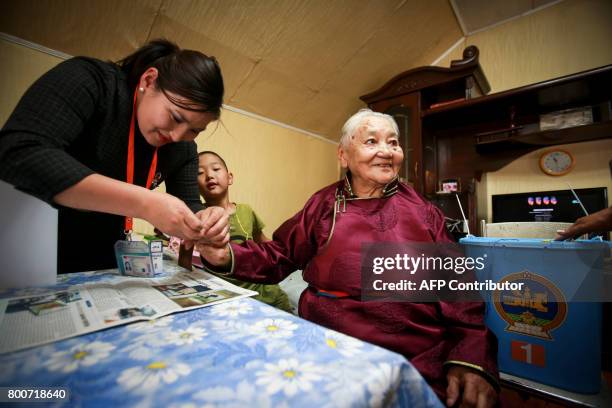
(549, 331)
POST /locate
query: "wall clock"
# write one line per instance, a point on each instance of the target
(557, 162)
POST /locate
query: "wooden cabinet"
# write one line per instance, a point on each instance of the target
(405, 111)
(451, 129)
(409, 94)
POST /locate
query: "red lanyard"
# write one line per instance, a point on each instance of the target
(130, 163)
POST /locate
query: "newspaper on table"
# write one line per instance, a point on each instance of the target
(56, 314)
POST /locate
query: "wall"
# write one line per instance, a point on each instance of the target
(524, 175)
(20, 67)
(568, 37)
(299, 62)
(276, 168)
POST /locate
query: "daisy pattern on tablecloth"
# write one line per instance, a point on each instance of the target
(414, 385)
(189, 405)
(383, 385)
(148, 377)
(244, 395)
(232, 330)
(30, 363)
(151, 325)
(145, 346)
(7, 371)
(274, 328)
(343, 344)
(144, 342)
(85, 354)
(231, 309)
(271, 312)
(186, 336)
(288, 376)
(345, 380)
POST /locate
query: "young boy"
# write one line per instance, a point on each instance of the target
(214, 180)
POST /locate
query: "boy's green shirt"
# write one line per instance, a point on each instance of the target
(244, 223)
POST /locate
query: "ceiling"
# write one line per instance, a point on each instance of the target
(476, 15)
(304, 63)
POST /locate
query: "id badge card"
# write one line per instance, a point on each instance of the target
(138, 258)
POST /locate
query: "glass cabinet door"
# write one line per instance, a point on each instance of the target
(405, 110)
(402, 117)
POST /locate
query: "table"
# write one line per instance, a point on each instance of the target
(241, 353)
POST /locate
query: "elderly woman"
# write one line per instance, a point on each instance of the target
(447, 342)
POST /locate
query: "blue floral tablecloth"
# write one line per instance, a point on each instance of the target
(237, 354)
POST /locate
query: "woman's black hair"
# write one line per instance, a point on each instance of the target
(194, 77)
(214, 154)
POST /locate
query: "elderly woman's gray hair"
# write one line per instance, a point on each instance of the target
(351, 125)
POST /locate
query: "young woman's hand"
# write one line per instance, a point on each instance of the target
(104, 194)
(215, 226)
(170, 215)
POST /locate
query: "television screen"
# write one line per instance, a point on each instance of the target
(553, 206)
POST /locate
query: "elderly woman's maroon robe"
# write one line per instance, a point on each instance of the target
(430, 335)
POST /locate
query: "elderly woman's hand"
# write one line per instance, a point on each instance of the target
(215, 256)
(473, 389)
